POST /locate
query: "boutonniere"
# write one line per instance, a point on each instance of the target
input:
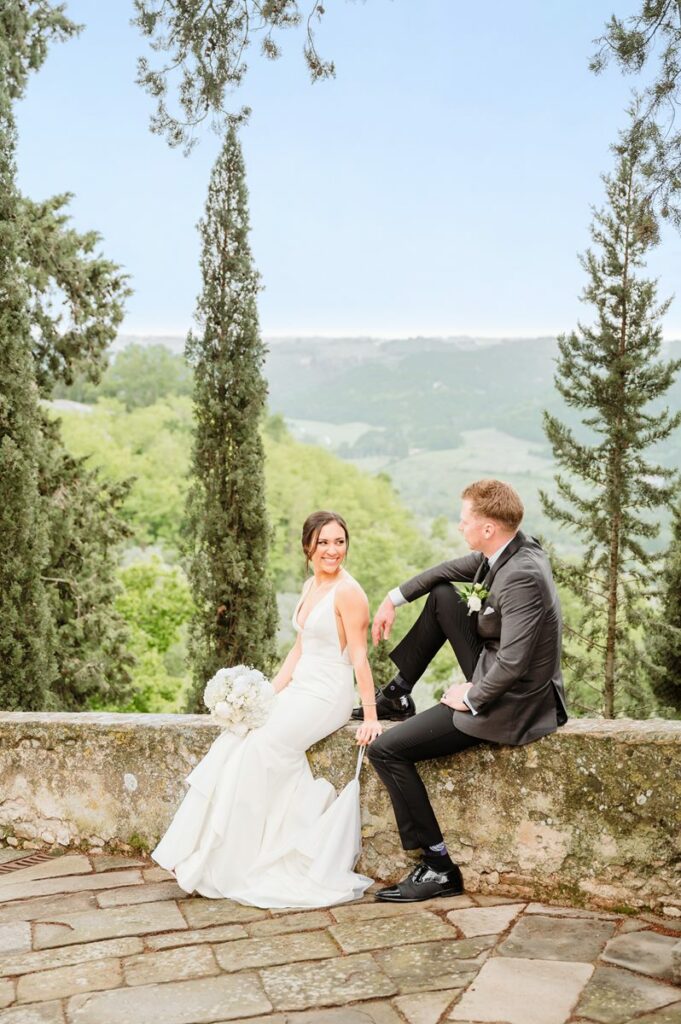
(473, 594)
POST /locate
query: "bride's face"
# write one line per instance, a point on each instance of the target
(330, 549)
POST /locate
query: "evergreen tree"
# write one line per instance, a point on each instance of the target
(612, 372)
(226, 527)
(27, 667)
(663, 635)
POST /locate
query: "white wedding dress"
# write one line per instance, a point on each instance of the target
(255, 826)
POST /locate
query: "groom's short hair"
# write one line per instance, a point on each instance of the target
(493, 499)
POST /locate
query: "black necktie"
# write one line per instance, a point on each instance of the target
(483, 570)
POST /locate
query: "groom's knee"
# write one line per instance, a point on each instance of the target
(445, 596)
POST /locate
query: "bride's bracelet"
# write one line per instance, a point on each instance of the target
(370, 704)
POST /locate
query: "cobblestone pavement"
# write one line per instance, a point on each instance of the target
(101, 939)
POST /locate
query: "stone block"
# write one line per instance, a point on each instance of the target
(46, 907)
(198, 1001)
(200, 913)
(645, 952)
(44, 959)
(15, 937)
(265, 951)
(614, 996)
(6, 993)
(115, 861)
(170, 965)
(667, 1015)
(56, 867)
(360, 1013)
(356, 937)
(150, 892)
(557, 938)
(426, 1007)
(107, 924)
(485, 920)
(218, 933)
(307, 921)
(37, 1013)
(373, 908)
(434, 966)
(66, 981)
(523, 992)
(69, 883)
(328, 983)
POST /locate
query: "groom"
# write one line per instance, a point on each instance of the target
(508, 650)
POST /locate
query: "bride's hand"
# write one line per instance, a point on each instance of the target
(367, 732)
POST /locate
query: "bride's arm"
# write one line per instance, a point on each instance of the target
(353, 608)
(283, 676)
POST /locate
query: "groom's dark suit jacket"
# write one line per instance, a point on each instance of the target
(517, 683)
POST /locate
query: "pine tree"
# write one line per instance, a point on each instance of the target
(663, 634)
(27, 666)
(612, 373)
(226, 526)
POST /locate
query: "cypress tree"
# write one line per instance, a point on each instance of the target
(612, 373)
(27, 666)
(226, 529)
(663, 634)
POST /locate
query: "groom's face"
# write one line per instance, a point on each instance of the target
(476, 530)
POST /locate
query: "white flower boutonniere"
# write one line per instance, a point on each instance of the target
(473, 594)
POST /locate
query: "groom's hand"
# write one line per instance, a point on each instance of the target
(383, 621)
(453, 697)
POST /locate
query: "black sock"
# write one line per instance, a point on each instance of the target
(437, 857)
(396, 688)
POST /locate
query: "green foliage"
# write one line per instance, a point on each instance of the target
(652, 33)
(26, 29)
(207, 45)
(156, 603)
(227, 532)
(663, 628)
(85, 531)
(609, 492)
(27, 666)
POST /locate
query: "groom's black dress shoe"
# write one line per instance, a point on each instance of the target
(424, 883)
(389, 709)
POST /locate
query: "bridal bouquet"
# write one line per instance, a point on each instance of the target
(238, 698)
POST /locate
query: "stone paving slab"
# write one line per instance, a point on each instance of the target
(70, 883)
(199, 1001)
(148, 893)
(44, 959)
(7, 856)
(107, 924)
(645, 952)
(668, 1015)
(375, 1012)
(199, 913)
(485, 920)
(549, 908)
(363, 911)
(38, 1013)
(66, 981)
(523, 991)
(614, 996)
(342, 980)
(275, 949)
(56, 867)
(107, 861)
(15, 937)
(557, 938)
(306, 921)
(426, 1007)
(170, 965)
(218, 933)
(356, 937)
(7, 990)
(46, 906)
(432, 966)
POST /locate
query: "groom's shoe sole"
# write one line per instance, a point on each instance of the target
(393, 895)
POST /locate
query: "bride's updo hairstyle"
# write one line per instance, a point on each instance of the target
(312, 527)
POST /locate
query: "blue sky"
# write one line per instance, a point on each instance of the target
(441, 184)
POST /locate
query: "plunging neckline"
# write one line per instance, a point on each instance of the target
(321, 600)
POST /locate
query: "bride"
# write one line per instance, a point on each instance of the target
(255, 826)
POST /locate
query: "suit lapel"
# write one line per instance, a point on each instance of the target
(515, 545)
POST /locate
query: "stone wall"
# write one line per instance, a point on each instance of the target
(589, 815)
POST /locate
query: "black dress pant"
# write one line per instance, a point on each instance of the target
(431, 733)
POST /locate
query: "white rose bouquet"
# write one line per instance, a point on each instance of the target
(239, 698)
